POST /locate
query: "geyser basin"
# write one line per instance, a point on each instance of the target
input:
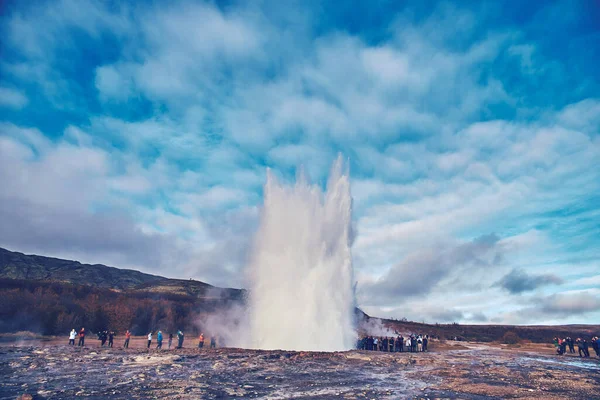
(301, 267)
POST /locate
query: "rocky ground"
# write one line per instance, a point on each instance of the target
(467, 371)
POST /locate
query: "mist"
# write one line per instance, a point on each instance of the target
(300, 270)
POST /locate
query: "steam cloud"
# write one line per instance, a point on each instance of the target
(301, 294)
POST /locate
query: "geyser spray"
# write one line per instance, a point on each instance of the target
(301, 294)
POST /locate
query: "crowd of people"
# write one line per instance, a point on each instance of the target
(582, 346)
(412, 343)
(107, 337)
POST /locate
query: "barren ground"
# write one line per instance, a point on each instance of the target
(53, 370)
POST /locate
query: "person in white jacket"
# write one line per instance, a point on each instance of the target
(72, 337)
(149, 339)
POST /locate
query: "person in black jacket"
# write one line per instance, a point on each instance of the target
(180, 338)
(596, 346)
(585, 348)
(571, 345)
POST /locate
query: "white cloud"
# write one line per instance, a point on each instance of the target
(12, 98)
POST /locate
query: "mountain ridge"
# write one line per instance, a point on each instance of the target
(20, 266)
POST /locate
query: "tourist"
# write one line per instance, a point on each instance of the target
(111, 338)
(127, 337)
(201, 341)
(596, 346)
(585, 348)
(180, 338)
(149, 339)
(375, 344)
(159, 339)
(102, 336)
(81, 337)
(384, 344)
(391, 344)
(401, 343)
(170, 340)
(571, 344)
(213, 342)
(419, 343)
(72, 336)
(425, 342)
(580, 347)
(562, 346)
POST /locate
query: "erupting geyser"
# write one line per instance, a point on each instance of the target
(301, 295)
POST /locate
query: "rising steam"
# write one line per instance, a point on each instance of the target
(301, 294)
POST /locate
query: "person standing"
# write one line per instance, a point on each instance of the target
(81, 337)
(127, 337)
(170, 340)
(213, 342)
(72, 336)
(149, 339)
(180, 338)
(401, 343)
(596, 346)
(111, 338)
(580, 347)
(201, 340)
(586, 350)
(425, 342)
(571, 346)
(159, 339)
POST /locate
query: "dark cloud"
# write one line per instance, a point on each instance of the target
(446, 315)
(568, 303)
(419, 272)
(557, 306)
(104, 238)
(478, 317)
(518, 281)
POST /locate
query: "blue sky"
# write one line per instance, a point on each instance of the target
(137, 134)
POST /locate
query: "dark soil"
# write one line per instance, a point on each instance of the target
(474, 371)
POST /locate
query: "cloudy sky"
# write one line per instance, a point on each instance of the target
(138, 135)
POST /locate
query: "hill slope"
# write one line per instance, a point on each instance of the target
(50, 296)
(19, 266)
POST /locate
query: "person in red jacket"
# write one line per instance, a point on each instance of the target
(81, 337)
(201, 341)
(127, 337)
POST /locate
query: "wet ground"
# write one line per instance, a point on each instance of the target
(56, 371)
